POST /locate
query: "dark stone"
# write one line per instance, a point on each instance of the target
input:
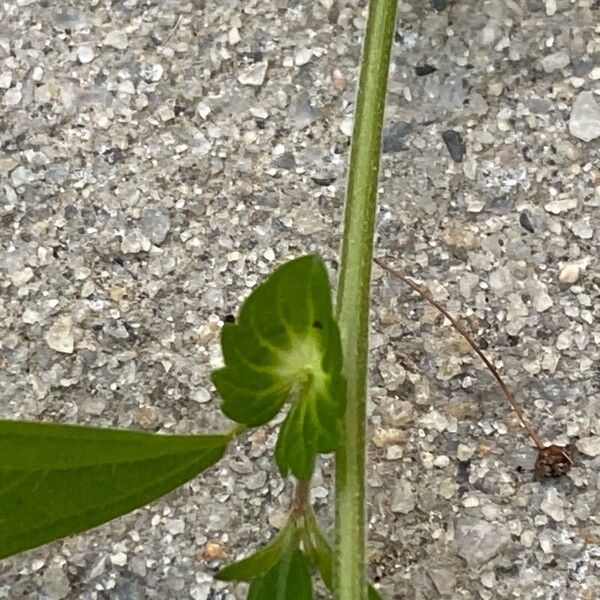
(422, 70)
(323, 180)
(439, 5)
(286, 161)
(455, 144)
(525, 222)
(582, 66)
(393, 138)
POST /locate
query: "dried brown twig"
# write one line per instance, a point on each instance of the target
(552, 460)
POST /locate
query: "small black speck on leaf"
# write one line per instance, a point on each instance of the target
(317, 325)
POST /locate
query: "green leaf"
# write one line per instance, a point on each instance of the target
(321, 556)
(288, 579)
(56, 480)
(262, 561)
(286, 345)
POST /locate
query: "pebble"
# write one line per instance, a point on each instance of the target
(464, 453)
(117, 40)
(556, 207)
(478, 541)
(569, 274)
(582, 229)
(555, 61)
(455, 144)
(85, 54)
(55, 583)
(175, 526)
(21, 276)
(553, 505)
(584, 122)
(5, 80)
(13, 97)
(155, 225)
(589, 446)
(347, 126)
(403, 500)
(303, 56)
(525, 222)
(119, 559)
(255, 74)
(444, 580)
(434, 420)
(233, 36)
(394, 137)
(60, 336)
(551, 7)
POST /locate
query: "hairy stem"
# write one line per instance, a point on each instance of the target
(353, 296)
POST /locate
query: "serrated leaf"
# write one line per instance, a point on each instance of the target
(56, 480)
(286, 345)
(260, 562)
(288, 579)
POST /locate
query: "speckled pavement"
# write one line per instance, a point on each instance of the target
(158, 159)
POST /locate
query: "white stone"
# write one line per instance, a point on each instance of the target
(203, 110)
(584, 122)
(346, 126)
(542, 301)
(55, 583)
(553, 505)
(233, 36)
(5, 80)
(555, 61)
(60, 336)
(85, 54)
(255, 74)
(175, 526)
(30, 316)
(589, 446)
(13, 97)
(21, 276)
(403, 500)
(464, 453)
(116, 39)
(550, 7)
(569, 274)
(556, 207)
(583, 229)
(303, 56)
(119, 559)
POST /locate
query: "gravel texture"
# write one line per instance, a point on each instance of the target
(158, 159)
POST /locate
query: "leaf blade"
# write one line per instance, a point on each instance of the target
(286, 344)
(288, 579)
(57, 480)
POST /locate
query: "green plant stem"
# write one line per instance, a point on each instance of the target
(353, 296)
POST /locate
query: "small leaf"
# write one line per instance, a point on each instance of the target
(56, 480)
(286, 345)
(260, 562)
(322, 557)
(288, 579)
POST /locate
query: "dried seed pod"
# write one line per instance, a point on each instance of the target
(554, 461)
